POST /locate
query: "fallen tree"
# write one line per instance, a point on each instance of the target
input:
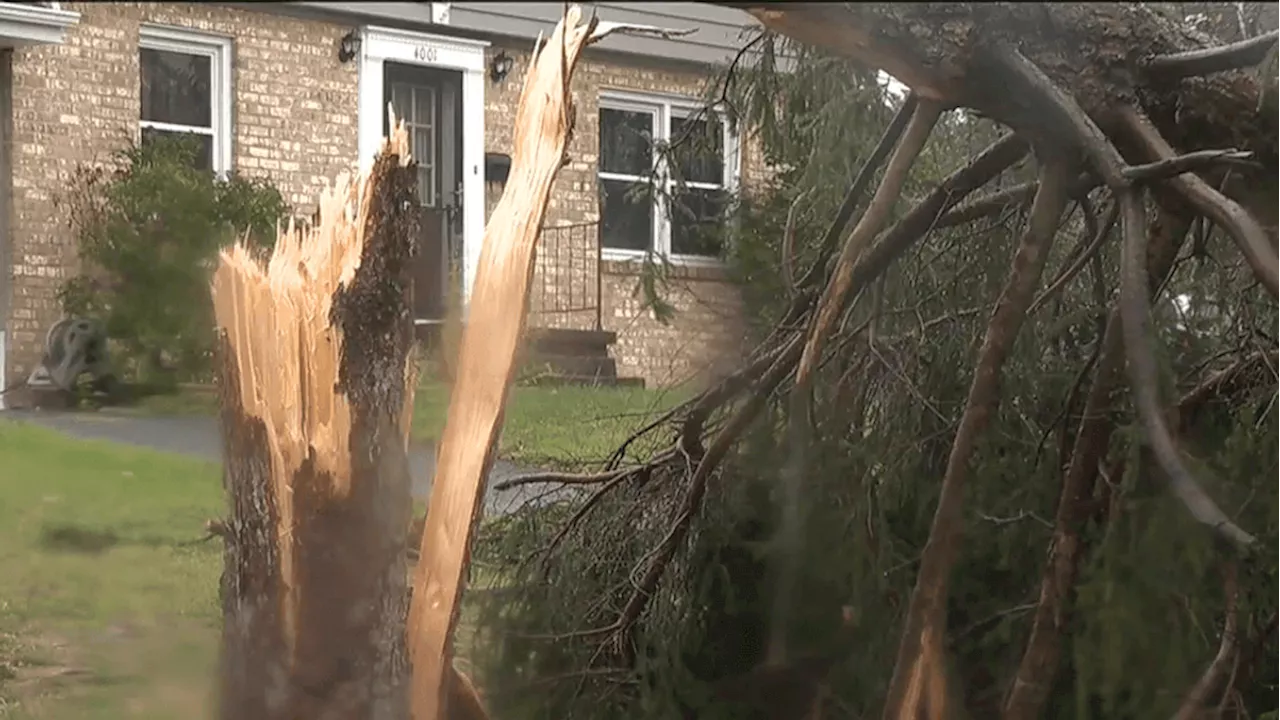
(1118, 105)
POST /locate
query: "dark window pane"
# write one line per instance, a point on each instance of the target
(198, 146)
(417, 106)
(697, 219)
(698, 149)
(626, 141)
(626, 215)
(176, 88)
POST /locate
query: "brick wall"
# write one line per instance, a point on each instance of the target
(293, 118)
(706, 333)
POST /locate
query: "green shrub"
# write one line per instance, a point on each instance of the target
(147, 229)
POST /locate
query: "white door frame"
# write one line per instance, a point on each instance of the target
(379, 45)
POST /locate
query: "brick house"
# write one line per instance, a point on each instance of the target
(297, 92)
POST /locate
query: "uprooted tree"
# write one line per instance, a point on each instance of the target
(919, 366)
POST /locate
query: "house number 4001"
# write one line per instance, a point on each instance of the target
(424, 53)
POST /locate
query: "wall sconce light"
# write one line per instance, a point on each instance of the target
(500, 66)
(349, 46)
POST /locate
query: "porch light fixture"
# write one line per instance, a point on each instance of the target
(500, 66)
(349, 46)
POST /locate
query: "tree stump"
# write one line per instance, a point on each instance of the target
(316, 395)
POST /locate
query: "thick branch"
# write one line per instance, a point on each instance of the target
(1244, 230)
(1235, 56)
(1135, 311)
(926, 615)
(888, 141)
(1029, 691)
(834, 296)
(928, 213)
(1160, 170)
(1066, 116)
(916, 120)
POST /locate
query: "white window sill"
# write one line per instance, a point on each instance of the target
(617, 255)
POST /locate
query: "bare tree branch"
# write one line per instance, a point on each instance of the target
(1078, 264)
(834, 296)
(1225, 212)
(1150, 172)
(926, 615)
(1235, 56)
(1029, 691)
(888, 141)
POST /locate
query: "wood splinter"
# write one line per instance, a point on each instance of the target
(316, 393)
(486, 358)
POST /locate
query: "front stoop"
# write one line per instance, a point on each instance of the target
(559, 356)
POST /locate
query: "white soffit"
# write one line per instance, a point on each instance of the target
(29, 24)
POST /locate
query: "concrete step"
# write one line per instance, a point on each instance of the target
(576, 366)
(563, 341)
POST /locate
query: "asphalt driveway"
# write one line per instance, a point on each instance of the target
(197, 436)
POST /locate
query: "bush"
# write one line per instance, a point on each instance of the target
(148, 228)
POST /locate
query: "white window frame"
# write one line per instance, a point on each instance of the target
(664, 109)
(218, 49)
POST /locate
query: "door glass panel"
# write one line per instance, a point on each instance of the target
(418, 106)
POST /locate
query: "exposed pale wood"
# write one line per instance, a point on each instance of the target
(316, 395)
(486, 359)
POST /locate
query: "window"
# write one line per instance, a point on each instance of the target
(416, 105)
(670, 205)
(185, 90)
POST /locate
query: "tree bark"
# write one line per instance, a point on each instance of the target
(486, 360)
(316, 394)
(1096, 52)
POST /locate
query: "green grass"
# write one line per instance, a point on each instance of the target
(108, 610)
(555, 426)
(108, 605)
(545, 426)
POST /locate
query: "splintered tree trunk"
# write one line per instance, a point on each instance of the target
(316, 394)
(498, 309)
(544, 122)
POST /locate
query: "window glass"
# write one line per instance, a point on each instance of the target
(176, 88)
(698, 149)
(697, 219)
(626, 215)
(626, 141)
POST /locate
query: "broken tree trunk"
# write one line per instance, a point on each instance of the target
(498, 306)
(486, 359)
(316, 393)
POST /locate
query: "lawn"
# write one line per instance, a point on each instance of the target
(545, 426)
(108, 604)
(108, 607)
(108, 597)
